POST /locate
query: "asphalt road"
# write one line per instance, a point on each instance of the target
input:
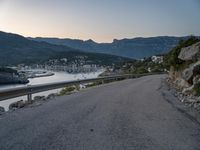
(125, 115)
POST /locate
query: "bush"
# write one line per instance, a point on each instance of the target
(94, 84)
(197, 89)
(172, 58)
(67, 90)
(157, 69)
(8, 70)
(141, 70)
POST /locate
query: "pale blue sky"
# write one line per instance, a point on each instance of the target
(100, 20)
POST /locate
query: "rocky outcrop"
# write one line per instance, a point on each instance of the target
(190, 53)
(187, 74)
(181, 83)
(196, 80)
(196, 68)
(187, 91)
(186, 79)
(190, 73)
(176, 78)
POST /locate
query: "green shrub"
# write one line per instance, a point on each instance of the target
(172, 58)
(141, 70)
(157, 69)
(197, 89)
(94, 84)
(67, 90)
(8, 70)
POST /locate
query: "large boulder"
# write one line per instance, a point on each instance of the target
(187, 91)
(191, 72)
(181, 83)
(187, 74)
(196, 68)
(190, 53)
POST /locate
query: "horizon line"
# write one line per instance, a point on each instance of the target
(118, 39)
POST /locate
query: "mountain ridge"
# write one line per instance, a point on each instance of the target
(16, 49)
(137, 48)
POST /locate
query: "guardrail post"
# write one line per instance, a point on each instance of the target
(102, 81)
(29, 97)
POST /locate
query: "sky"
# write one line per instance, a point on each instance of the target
(100, 20)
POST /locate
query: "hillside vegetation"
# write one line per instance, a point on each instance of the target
(184, 75)
(172, 59)
(16, 49)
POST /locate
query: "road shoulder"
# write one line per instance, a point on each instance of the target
(169, 94)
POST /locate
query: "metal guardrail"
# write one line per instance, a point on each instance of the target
(29, 90)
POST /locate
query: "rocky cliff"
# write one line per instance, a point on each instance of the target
(189, 65)
(184, 74)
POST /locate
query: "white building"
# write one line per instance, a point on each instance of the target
(157, 59)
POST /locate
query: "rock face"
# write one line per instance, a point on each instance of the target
(186, 79)
(191, 72)
(188, 90)
(196, 68)
(190, 53)
(196, 79)
(191, 75)
(187, 74)
(181, 83)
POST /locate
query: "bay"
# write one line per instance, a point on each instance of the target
(57, 77)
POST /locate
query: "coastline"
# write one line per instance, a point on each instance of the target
(57, 77)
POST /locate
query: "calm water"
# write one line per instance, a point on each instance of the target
(58, 77)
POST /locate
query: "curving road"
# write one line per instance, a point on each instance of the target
(125, 115)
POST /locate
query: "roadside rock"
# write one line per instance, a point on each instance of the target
(196, 79)
(181, 83)
(187, 91)
(51, 96)
(197, 106)
(191, 100)
(16, 105)
(196, 68)
(185, 95)
(38, 98)
(190, 52)
(192, 72)
(187, 74)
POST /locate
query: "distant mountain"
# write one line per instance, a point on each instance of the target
(133, 48)
(15, 49)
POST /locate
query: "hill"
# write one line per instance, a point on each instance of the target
(133, 48)
(16, 49)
